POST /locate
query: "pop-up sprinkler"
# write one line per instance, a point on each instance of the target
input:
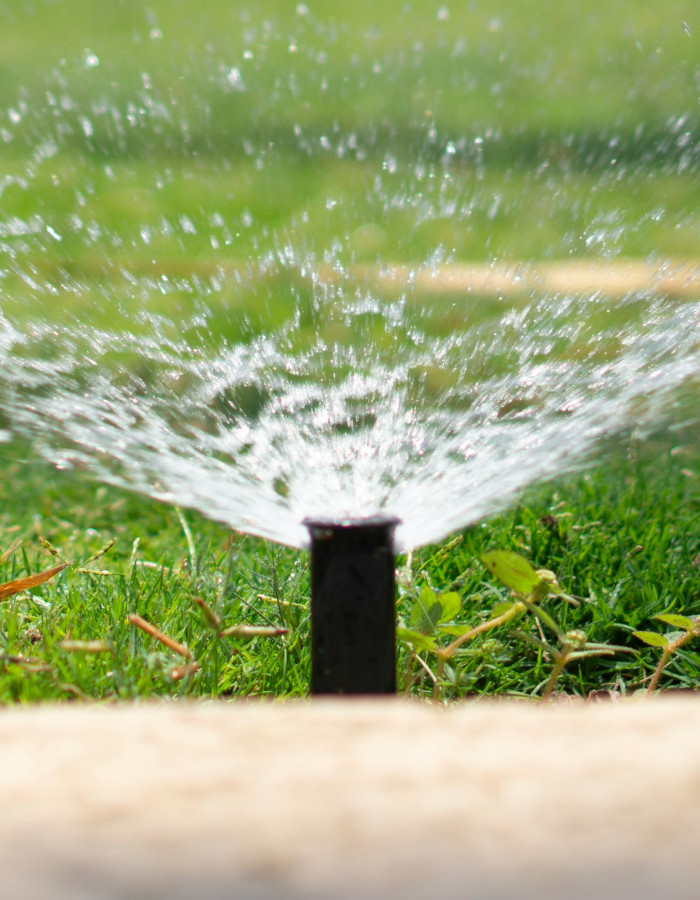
(353, 607)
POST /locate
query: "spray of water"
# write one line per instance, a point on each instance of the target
(228, 273)
(435, 413)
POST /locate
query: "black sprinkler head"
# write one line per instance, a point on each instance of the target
(353, 606)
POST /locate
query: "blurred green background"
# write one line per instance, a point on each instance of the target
(189, 134)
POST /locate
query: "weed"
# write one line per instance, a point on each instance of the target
(432, 620)
(686, 630)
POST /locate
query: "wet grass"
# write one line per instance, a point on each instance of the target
(625, 539)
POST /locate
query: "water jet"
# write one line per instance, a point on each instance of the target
(353, 627)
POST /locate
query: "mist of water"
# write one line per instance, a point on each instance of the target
(382, 410)
(249, 355)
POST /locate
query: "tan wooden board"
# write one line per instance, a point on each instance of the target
(341, 799)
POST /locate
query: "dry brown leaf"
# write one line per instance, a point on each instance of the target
(146, 626)
(180, 672)
(251, 631)
(31, 581)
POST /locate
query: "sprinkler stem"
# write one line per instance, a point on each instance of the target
(353, 606)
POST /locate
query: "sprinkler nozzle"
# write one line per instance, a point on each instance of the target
(353, 606)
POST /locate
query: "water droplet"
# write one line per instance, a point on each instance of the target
(233, 77)
(687, 29)
(155, 34)
(90, 59)
(86, 126)
(493, 209)
(302, 9)
(187, 225)
(443, 14)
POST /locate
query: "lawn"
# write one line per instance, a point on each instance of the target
(153, 160)
(624, 539)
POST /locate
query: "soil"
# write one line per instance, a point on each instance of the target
(351, 798)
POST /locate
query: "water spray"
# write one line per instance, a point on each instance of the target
(353, 606)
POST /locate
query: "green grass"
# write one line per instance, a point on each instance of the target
(624, 539)
(538, 131)
(152, 572)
